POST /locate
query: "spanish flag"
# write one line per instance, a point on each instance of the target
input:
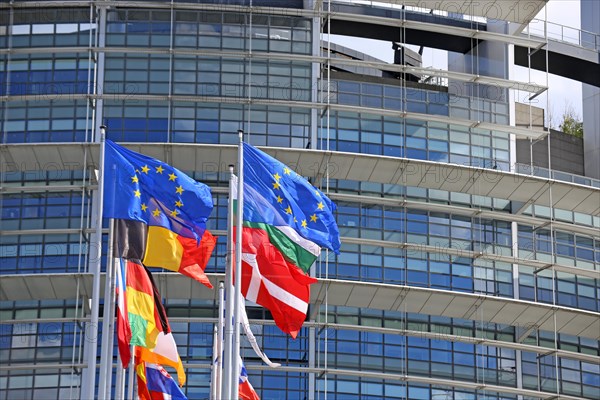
(156, 246)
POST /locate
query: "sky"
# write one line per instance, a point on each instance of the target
(563, 93)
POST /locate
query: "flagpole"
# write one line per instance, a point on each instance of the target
(238, 270)
(119, 380)
(215, 381)
(227, 326)
(221, 322)
(130, 377)
(95, 267)
(108, 322)
(214, 366)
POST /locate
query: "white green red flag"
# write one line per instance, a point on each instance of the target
(286, 222)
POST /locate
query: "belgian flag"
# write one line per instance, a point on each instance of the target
(156, 246)
(159, 211)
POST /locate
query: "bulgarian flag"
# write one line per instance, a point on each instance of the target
(286, 222)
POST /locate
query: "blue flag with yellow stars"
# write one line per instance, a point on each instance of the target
(276, 195)
(141, 188)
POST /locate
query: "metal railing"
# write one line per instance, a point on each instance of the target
(537, 28)
(557, 175)
(563, 33)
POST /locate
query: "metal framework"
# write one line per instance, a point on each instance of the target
(514, 187)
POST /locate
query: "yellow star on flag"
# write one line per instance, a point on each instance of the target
(179, 189)
(159, 169)
(321, 206)
(279, 199)
(295, 220)
(134, 179)
(145, 169)
(304, 223)
(317, 193)
(144, 207)
(276, 185)
(156, 212)
(179, 203)
(174, 213)
(277, 176)
(172, 176)
(288, 210)
(313, 218)
(287, 171)
(137, 193)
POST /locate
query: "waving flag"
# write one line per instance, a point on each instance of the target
(123, 327)
(286, 222)
(287, 206)
(141, 314)
(165, 210)
(155, 383)
(246, 391)
(165, 353)
(142, 319)
(156, 246)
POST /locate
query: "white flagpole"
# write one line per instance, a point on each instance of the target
(119, 380)
(221, 322)
(95, 265)
(108, 322)
(238, 270)
(130, 377)
(214, 366)
(227, 326)
(215, 382)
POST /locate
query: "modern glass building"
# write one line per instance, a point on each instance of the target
(463, 274)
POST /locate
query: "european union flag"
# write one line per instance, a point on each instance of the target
(276, 195)
(141, 188)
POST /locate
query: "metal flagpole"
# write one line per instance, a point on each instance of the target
(108, 322)
(95, 265)
(221, 322)
(214, 366)
(238, 270)
(215, 382)
(227, 326)
(130, 377)
(119, 380)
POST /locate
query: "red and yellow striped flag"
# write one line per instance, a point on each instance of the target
(141, 316)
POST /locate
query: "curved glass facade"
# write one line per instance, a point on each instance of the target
(195, 73)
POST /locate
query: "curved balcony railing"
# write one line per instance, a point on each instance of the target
(536, 27)
(563, 33)
(526, 169)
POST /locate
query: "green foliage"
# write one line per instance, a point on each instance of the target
(571, 124)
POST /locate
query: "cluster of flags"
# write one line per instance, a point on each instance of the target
(159, 220)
